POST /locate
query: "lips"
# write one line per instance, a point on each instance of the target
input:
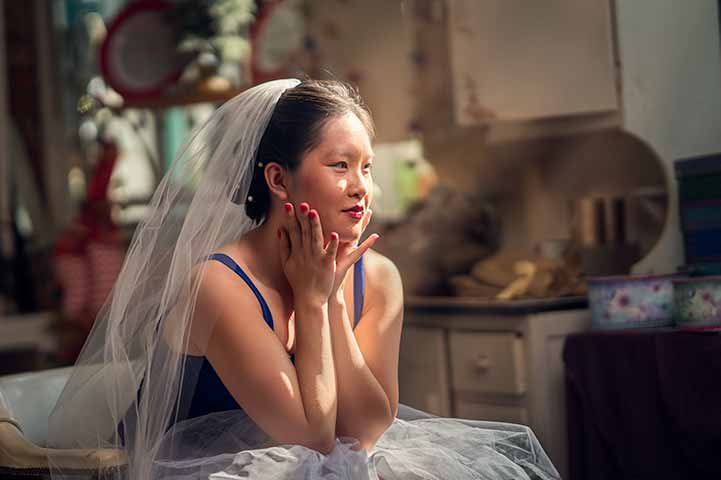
(356, 215)
(357, 208)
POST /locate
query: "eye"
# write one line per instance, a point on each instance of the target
(345, 164)
(369, 166)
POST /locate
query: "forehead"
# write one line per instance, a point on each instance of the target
(345, 135)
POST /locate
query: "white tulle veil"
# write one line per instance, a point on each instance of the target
(197, 207)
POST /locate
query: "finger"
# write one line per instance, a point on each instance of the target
(367, 219)
(362, 248)
(346, 247)
(292, 227)
(316, 230)
(303, 222)
(284, 245)
(332, 248)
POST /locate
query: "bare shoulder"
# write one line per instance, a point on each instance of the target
(217, 281)
(218, 296)
(221, 288)
(383, 280)
(378, 265)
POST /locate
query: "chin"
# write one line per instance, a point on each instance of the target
(349, 236)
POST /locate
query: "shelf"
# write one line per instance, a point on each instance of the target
(187, 98)
(512, 307)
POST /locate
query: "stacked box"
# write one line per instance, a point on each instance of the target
(699, 187)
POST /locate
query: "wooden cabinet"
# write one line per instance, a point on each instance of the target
(498, 413)
(488, 362)
(425, 369)
(475, 360)
(521, 60)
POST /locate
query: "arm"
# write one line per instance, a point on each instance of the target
(316, 371)
(366, 360)
(295, 405)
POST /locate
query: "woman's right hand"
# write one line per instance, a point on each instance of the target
(309, 265)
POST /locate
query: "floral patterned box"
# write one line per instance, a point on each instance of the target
(698, 303)
(627, 301)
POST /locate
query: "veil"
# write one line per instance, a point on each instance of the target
(126, 389)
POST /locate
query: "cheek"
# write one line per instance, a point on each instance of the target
(329, 193)
(327, 200)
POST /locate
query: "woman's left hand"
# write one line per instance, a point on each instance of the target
(349, 253)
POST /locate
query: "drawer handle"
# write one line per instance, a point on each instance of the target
(482, 363)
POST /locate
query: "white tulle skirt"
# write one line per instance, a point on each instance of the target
(416, 446)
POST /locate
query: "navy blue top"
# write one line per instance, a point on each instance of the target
(210, 394)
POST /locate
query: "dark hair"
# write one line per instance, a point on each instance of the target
(296, 126)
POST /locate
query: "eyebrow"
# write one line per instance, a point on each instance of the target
(346, 153)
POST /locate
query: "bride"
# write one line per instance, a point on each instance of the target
(252, 334)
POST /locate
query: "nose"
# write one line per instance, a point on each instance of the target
(358, 185)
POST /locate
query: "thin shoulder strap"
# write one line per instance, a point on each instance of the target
(230, 263)
(358, 290)
(358, 286)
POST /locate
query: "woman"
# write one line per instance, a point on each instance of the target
(307, 181)
(250, 334)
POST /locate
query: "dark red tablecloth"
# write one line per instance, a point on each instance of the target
(644, 405)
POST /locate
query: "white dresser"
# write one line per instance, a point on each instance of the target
(473, 359)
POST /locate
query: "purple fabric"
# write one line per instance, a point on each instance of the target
(644, 405)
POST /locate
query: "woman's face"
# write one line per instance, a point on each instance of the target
(335, 176)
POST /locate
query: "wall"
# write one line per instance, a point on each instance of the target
(368, 42)
(34, 105)
(22, 76)
(671, 73)
(7, 247)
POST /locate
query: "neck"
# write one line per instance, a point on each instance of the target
(265, 260)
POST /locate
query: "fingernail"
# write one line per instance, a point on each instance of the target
(312, 214)
(303, 207)
(334, 236)
(288, 207)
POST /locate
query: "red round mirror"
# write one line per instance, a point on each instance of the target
(139, 56)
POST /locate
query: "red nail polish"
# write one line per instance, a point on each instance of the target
(312, 214)
(303, 207)
(334, 236)
(288, 207)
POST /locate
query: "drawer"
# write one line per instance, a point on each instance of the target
(487, 363)
(491, 413)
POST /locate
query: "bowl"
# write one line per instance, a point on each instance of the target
(697, 304)
(630, 301)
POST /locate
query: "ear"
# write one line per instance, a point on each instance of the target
(278, 180)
